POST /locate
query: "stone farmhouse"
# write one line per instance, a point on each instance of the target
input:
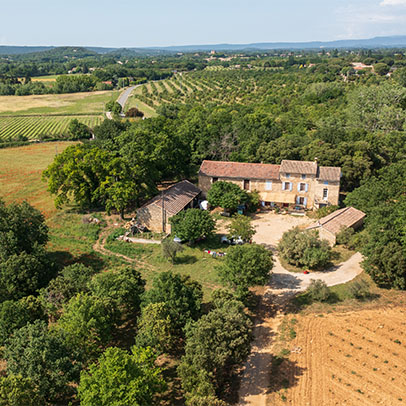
(155, 214)
(292, 184)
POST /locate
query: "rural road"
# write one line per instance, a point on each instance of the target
(122, 99)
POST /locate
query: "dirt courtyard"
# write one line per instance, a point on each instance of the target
(271, 226)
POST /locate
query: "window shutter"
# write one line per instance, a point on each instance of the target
(297, 200)
(291, 186)
(307, 187)
(298, 187)
(305, 201)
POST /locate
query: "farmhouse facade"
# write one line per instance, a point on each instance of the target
(292, 184)
(155, 214)
(330, 225)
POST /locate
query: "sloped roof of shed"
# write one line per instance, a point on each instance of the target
(334, 222)
(176, 197)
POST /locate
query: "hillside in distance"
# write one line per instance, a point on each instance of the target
(398, 41)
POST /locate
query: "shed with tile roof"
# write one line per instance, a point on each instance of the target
(155, 214)
(330, 225)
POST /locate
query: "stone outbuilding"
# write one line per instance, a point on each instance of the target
(155, 214)
(330, 225)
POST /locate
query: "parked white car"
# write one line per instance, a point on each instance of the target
(232, 241)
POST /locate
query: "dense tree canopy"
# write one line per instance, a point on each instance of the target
(24, 264)
(215, 345)
(246, 265)
(121, 378)
(181, 295)
(35, 353)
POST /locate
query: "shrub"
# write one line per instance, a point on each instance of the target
(192, 225)
(241, 227)
(324, 211)
(345, 235)
(318, 290)
(360, 289)
(304, 249)
(170, 249)
(134, 112)
(226, 195)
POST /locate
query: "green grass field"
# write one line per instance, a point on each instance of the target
(35, 127)
(71, 103)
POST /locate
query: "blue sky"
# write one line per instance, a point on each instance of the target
(178, 22)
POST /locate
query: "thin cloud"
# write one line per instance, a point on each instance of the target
(393, 3)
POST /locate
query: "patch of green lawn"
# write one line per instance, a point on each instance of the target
(192, 261)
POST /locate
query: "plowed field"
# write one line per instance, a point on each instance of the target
(354, 359)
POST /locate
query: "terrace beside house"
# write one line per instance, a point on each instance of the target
(293, 184)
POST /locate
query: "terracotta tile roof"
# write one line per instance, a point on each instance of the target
(240, 170)
(335, 221)
(329, 173)
(302, 167)
(176, 197)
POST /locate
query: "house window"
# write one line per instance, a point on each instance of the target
(287, 186)
(303, 176)
(325, 194)
(268, 185)
(301, 200)
(288, 175)
(302, 187)
(326, 182)
(246, 184)
(214, 180)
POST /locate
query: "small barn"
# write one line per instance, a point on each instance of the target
(330, 225)
(155, 214)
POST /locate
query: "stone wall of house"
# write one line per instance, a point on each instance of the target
(259, 185)
(333, 192)
(326, 235)
(204, 184)
(296, 180)
(151, 217)
(314, 193)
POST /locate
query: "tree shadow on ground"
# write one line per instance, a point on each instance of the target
(61, 258)
(92, 260)
(284, 374)
(173, 396)
(185, 260)
(65, 258)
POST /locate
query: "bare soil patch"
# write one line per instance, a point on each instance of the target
(352, 358)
